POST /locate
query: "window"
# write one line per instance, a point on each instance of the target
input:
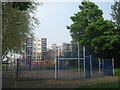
(34, 57)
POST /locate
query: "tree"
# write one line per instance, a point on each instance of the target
(91, 30)
(89, 13)
(116, 17)
(21, 6)
(116, 12)
(102, 37)
(17, 25)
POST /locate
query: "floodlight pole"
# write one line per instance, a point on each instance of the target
(78, 57)
(58, 61)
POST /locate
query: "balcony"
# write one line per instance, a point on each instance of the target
(43, 45)
(29, 54)
(44, 50)
(29, 50)
(44, 41)
(29, 45)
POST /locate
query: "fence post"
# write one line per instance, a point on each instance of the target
(44, 62)
(113, 66)
(103, 67)
(56, 68)
(78, 57)
(30, 63)
(99, 67)
(17, 68)
(58, 62)
(78, 60)
(91, 65)
(84, 60)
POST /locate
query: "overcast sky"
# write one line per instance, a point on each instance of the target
(55, 16)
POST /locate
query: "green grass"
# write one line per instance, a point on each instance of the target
(105, 85)
(3, 66)
(102, 85)
(117, 72)
(0, 66)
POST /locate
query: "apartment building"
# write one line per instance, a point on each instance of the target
(36, 48)
(54, 51)
(66, 47)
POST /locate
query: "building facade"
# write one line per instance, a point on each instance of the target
(66, 47)
(54, 51)
(36, 48)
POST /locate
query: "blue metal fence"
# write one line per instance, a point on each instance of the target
(87, 66)
(107, 66)
(64, 68)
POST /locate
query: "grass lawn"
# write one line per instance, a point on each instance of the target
(105, 84)
(3, 66)
(102, 85)
(117, 72)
